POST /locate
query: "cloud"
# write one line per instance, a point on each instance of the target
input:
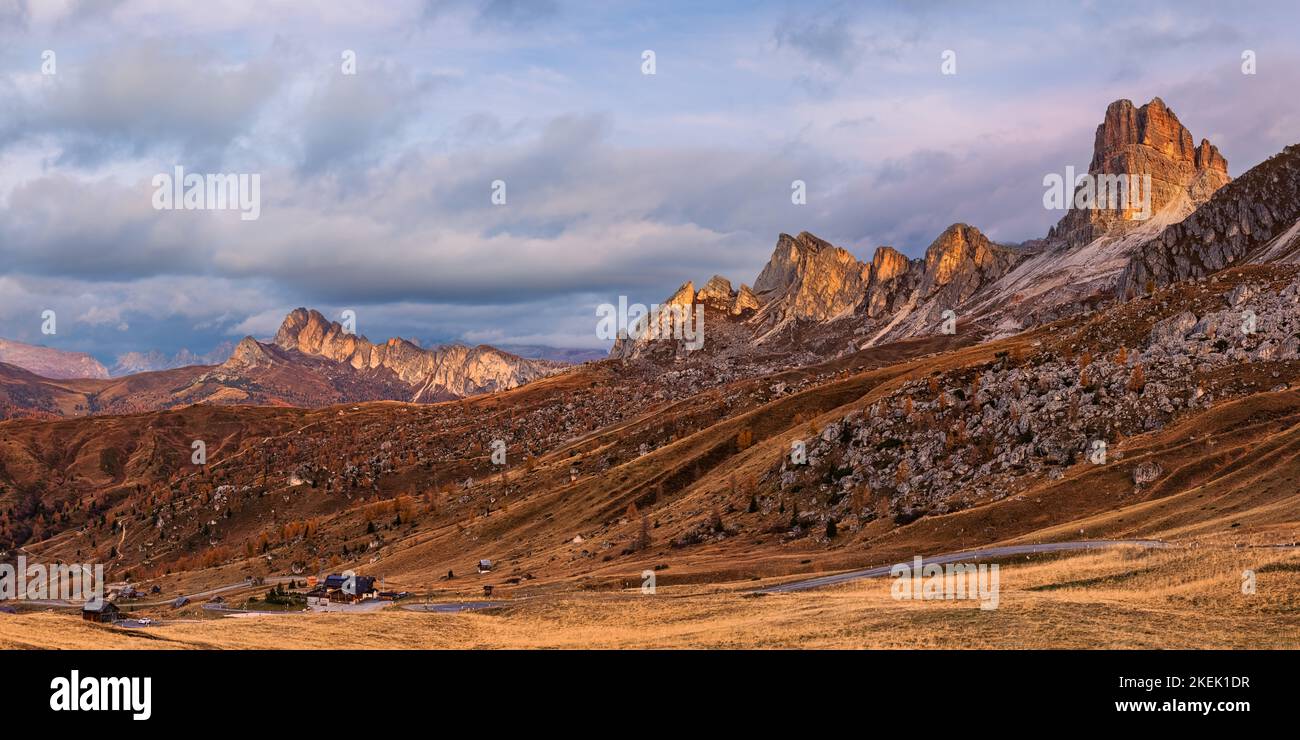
(517, 14)
(143, 98)
(828, 41)
(376, 188)
(838, 39)
(348, 119)
(14, 14)
(493, 14)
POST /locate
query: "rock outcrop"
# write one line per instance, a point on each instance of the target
(813, 294)
(808, 278)
(717, 294)
(248, 355)
(893, 281)
(745, 302)
(1145, 141)
(961, 261)
(1254, 219)
(454, 370)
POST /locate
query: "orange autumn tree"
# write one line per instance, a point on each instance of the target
(1137, 381)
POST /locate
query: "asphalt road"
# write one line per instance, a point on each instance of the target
(985, 553)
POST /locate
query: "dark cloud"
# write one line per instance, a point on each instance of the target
(511, 15)
(349, 119)
(839, 37)
(517, 14)
(829, 41)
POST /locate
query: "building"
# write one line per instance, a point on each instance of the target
(485, 566)
(340, 589)
(103, 611)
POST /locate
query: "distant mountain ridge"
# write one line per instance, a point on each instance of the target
(448, 371)
(143, 362)
(568, 355)
(311, 363)
(49, 362)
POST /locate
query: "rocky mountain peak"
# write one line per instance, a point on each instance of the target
(452, 370)
(684, 296)
(745, 301)
(1254, 219)
(963, 258)
(809, 278)
(249, 353)
(887, 264)
(1140, 141)
(1208, 158)
(716, 293)
(309, 332)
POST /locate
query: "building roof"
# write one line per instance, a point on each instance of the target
(362, 583)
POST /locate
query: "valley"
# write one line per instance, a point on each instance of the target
(1126, 382)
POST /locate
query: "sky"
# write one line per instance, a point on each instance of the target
(376, 188)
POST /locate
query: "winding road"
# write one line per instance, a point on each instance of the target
(984, 553)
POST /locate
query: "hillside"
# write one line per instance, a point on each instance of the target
(909, 447)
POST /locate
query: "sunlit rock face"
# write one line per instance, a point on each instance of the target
(1256, 218)
(1138, 142)
(454, 370)
(808, 278)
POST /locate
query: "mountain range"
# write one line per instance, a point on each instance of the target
(131, 363)
(813, 293)
(311, 362)
(923, 431)
(811, 300)
(50, 362)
